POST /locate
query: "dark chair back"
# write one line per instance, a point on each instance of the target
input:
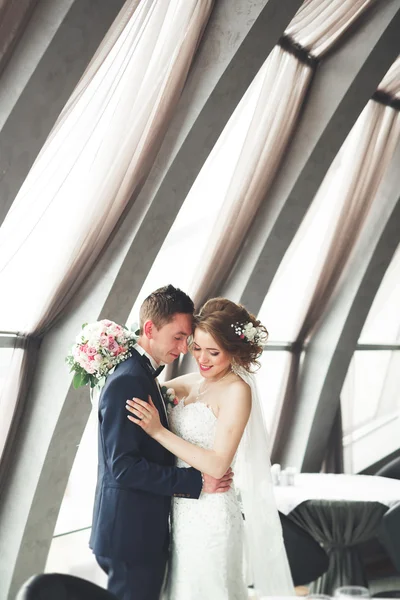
(392, 469)
(58, 586)
(390, 534)
(307, 559)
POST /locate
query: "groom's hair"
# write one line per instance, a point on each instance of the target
(161, 306)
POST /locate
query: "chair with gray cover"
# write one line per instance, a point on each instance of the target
(307, 559)
(391, 469)
(59, 586)
(390, 538)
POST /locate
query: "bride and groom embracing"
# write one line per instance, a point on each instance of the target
(165, 491)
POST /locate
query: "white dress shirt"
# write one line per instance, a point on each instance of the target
(155, 365)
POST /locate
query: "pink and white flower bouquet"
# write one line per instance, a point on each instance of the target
(98, 349)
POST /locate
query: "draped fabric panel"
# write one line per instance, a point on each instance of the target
(277, 95)
(350, 186)
(95, 159)
(340, 526)
(92, 165)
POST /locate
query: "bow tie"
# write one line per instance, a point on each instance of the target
(158, 371)
(154, 372)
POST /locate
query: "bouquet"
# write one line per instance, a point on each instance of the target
(98, 349)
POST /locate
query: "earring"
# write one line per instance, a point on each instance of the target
(235, 367)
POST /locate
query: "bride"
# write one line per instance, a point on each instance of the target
(217, 423)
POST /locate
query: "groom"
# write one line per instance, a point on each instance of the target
(137, 476)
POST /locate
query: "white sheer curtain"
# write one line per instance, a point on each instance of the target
(390, 84)
(95, 159)
(93, 163)
(337, 214)
(276, 96)
(318, 24)
(335, 218)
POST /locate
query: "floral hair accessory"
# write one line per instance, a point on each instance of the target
(169, 396)
(249, 332)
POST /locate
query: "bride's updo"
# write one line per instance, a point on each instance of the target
(236, 331)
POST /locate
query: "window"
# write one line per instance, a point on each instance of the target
(70, 553)
(382, 325)
(370, 403)
(77, 505)
(271, 382)
(187, 241)
(10, 365)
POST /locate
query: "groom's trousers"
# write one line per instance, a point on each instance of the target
(130, 581)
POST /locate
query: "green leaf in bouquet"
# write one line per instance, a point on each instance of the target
(76, 382)
(84, 325)
(93, 381)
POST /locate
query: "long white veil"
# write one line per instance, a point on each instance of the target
(267, 561)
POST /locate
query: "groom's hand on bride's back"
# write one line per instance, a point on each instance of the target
(217, 486)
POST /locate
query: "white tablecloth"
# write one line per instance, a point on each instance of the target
(321, 486)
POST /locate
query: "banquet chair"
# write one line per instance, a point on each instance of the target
(391, 469)
(58, 586)
(390, 538)
(307, 559)
(390, 534)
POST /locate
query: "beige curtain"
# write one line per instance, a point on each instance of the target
(14, 15)
(350, 185)
(363, 162)
(359, 167)
(94, 162)
(271, 109)
(95, 159)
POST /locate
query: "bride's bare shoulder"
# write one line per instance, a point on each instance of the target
(239, 388)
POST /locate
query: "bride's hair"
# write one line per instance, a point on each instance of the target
(225, 321)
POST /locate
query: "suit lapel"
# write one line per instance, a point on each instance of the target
(159, 402)
(162, 409)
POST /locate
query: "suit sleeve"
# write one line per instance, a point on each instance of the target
(123, 440)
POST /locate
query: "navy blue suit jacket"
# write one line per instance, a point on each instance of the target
(136, 475)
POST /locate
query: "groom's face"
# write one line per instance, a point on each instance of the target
(168, 342)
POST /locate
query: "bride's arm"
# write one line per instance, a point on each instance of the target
(182, 385)
(232, 419)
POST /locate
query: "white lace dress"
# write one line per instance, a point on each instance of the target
(207, 534)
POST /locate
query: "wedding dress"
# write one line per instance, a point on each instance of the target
(209, 534)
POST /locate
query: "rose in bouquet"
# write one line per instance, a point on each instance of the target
(169, 395)
(98, 349)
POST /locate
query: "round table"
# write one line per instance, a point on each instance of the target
(339, 511)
